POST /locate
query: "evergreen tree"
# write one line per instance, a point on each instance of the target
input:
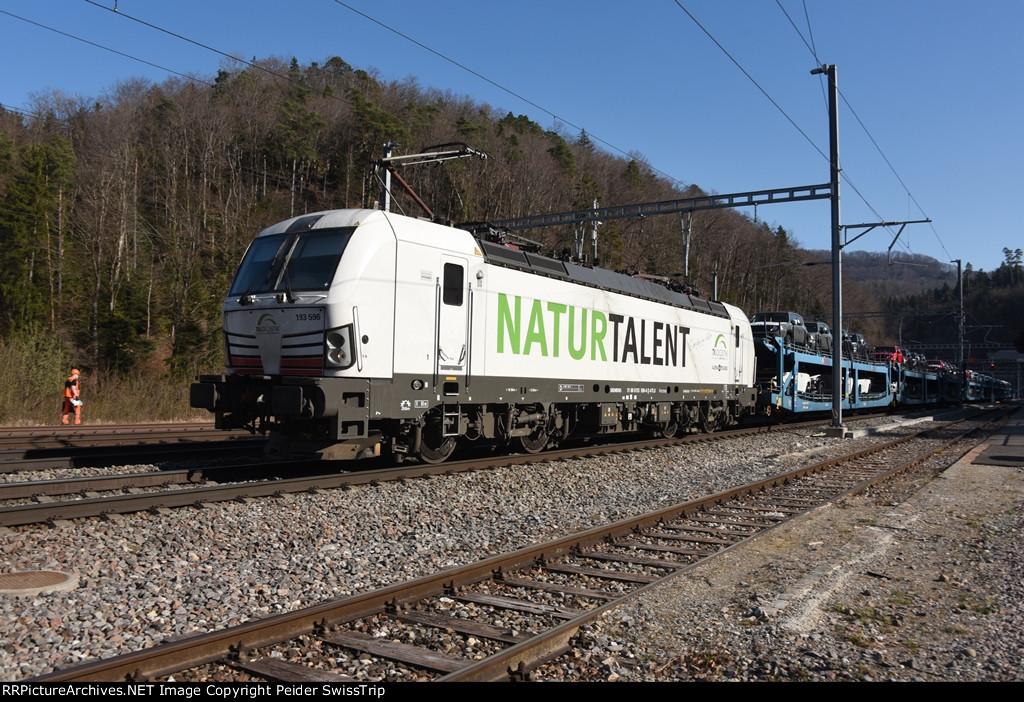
(31, 235)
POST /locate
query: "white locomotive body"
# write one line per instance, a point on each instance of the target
(355, 331)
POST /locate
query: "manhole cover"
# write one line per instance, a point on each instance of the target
(36, 581)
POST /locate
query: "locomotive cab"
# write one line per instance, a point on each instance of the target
(315, 340)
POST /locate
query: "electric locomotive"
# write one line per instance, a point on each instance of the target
(353, 333)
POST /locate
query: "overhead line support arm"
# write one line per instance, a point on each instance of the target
(705, 202)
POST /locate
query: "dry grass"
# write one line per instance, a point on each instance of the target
(33, 369)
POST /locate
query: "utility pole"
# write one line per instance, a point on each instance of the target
(385, 195)
(837, 248)
(685, 224)
(961, 361)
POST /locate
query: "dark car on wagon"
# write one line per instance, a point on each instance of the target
(787, 325)
(820, 336)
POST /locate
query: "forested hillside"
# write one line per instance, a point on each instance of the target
(122, 217)
(915, 299)
(992, 307)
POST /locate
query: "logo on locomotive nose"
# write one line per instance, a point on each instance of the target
(720, 350)
(266, 324)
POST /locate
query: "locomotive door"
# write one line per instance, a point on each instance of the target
(452, 331)
(737, 354)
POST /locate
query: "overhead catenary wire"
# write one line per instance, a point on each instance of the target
(774, 102)
(104, 48)
(677, 181)
(555, 115)
(812, 49)
(499, 86)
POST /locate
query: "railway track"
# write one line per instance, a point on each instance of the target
(77, 497)
(18, 461)
(86, 435)
(47, 448)
(43, 448)
(502, 617)
(40, 501)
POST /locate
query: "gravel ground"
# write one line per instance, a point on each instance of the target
(922, 580)
(147, 578)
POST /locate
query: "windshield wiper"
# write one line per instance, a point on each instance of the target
(273, 270)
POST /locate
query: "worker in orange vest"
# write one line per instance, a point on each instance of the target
(72, 398)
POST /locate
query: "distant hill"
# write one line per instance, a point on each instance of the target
(914, 300)
(906, 275)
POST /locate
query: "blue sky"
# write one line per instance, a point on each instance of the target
(938, 85)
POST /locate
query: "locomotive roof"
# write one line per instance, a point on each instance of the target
(402, 227)
(604, 279)
(508, 257)
(328, 219)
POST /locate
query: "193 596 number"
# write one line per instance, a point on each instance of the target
(307, 316)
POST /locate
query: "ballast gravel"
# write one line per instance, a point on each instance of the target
(914, 582)
(148, 578)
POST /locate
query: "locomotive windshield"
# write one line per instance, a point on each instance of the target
(289, 262)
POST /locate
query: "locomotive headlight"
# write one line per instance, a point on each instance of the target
(418, 384)
(337, 356)
(338, 347)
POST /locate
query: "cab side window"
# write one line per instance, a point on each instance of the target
(452, 292)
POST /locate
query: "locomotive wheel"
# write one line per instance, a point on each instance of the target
(534, 442)
(670, 430)
(434, 447)
(440, 454)
(708, 423)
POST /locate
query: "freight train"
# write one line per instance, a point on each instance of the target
(796, 378)
(354, 333)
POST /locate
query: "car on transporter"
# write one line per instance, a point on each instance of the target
(820, 337)
(892, 354)
(788, 326)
